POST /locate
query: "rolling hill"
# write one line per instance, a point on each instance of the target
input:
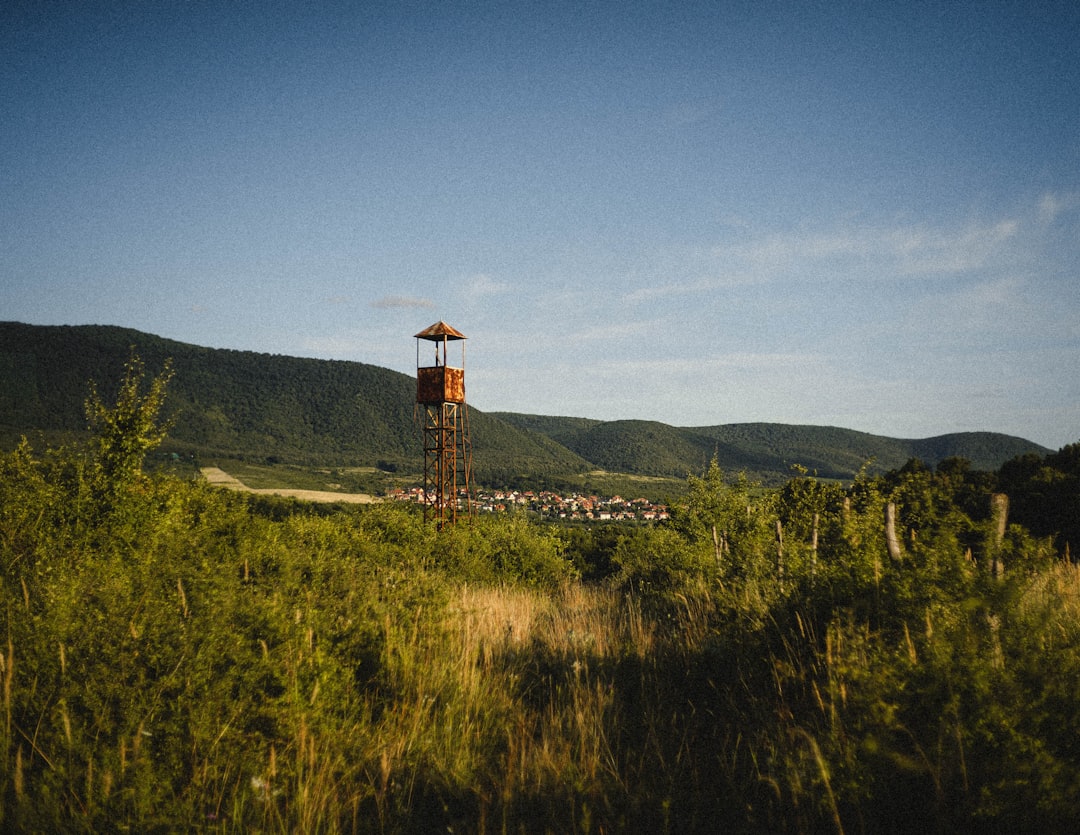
(265, 407)
(765, 450)
(248, 405)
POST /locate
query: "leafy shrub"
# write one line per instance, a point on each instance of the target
(178, 657)
(492, 549)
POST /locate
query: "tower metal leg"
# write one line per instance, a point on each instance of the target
(447, 462)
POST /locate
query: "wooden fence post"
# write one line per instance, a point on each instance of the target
(780, 552)
(891, 541)
(999, 519)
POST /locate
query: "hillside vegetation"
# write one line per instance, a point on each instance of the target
(262, 407)
(900, 654)
(227, 403)
(764, 450)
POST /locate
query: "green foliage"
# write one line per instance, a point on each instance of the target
(491, 549)
(765, 451)
(325, 413)
(733, 523)
(127, 431)
(653, 561)
(1044, 495)
(244, 404)
(195, 659)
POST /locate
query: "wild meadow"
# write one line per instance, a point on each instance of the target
(175, 657)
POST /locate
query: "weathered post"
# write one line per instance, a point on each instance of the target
(780, 552)
(999, 518)
(892, 543)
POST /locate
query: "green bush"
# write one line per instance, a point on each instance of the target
(493, 549)
(175, 657)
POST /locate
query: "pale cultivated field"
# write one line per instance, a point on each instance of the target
(220, 478)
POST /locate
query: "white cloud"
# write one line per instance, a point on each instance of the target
(703, 366)
(693, 287)
(612, 332)
(920, 251)
(483, 284)
(898, 250)
(409, 302)
(1052, 205)
(968, 317)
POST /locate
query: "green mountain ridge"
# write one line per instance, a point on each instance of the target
(767, 450)
(243, 404)
(261, 407)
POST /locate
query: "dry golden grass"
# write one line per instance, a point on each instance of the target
(219, 478)
(1055, 594)
(577, 620)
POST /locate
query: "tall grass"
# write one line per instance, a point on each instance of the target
(181, 659)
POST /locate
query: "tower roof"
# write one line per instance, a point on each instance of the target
(440, 331)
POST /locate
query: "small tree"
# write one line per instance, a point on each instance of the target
(126, 432)
(727, 521)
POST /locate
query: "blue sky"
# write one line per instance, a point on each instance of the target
(854, 214)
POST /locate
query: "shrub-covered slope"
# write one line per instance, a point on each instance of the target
(244, 403)
(767, 451)
(325, 412)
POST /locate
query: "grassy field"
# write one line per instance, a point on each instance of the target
(373, 481)
(889, 656)
(175, 657)
(287, 476)
(604, 483)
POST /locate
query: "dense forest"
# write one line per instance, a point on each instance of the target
(267, 408)
(226, 404)
(766, 450)
(897, 654)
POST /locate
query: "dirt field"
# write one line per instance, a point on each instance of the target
(220, 478)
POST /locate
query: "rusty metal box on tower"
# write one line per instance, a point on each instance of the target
(440, 384)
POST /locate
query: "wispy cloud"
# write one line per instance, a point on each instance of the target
(611, 332)
(693, 287)
(702, 368)
(483, 284)
(409, 302)
(970, 314)
(1052, 205)
(904, 250)
(919, 251)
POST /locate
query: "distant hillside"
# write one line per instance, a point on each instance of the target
(333, 413)
(246, 404)
(639, 447)
(835, 452)
(766, 451)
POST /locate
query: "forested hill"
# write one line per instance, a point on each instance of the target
(327, 412)
(247, 404)
(764, 450)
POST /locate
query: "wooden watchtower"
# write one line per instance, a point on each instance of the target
(440, 394)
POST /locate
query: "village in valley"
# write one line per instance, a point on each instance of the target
(553, 505)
